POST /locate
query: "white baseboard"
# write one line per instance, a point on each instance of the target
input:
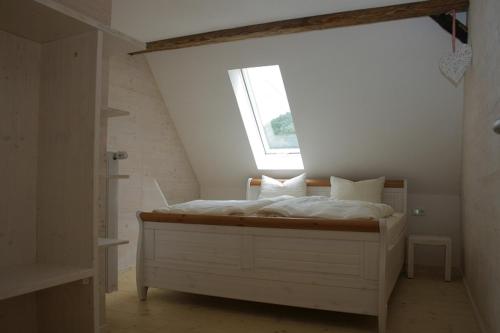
(477, 314)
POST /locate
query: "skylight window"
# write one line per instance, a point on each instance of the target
(268, 121)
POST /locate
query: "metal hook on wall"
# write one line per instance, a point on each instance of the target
(120, 155)
(496, 126)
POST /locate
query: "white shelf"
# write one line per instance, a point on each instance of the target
(119, 177)
(24, 279)
(110, 112)
(107, 242)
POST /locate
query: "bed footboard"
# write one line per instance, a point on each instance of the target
(142, 289)
(330, 270)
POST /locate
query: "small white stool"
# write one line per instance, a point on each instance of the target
(429, 240)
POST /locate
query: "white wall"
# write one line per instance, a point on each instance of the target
(481, 164)
(367, 101)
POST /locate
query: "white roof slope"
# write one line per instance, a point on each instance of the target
(366, 100)
(157, 19)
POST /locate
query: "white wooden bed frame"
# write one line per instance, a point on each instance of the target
(346, 271)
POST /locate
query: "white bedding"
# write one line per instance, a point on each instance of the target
(285, 206)
(326, 207)
(288, 206)
(222, 207)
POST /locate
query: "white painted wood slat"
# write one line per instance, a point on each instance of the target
(317, 245)
(332, 270)
(295, 294)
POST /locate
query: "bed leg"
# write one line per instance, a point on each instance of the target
(142, 292)
(382, 282)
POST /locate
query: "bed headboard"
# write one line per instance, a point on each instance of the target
(394, 191)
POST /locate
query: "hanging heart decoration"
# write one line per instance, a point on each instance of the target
(454, 65)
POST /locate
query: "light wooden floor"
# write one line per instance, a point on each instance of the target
(425, 304)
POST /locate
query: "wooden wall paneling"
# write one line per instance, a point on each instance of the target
(19, 314)
(14, 15)
(103, 181)
(97, 9)
(19, 94)
(112, 45)
(101, 94)
(480, 167)
(67, 151)
(116, 44)
(50, 137)
(67, 18)
(84, 12)
(153, 145)
(23, 279)
(66, 308)
(68, 189)
(62, 309)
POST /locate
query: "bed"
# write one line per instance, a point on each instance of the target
(338, 265)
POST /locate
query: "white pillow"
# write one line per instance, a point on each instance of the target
(365, 190)
(270, 187)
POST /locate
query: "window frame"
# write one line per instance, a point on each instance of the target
(258, 120)
(265, 159)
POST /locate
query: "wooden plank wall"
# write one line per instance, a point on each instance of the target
(67, 151)
(73, 304)
(19, 314)
(152, 142)
(97, 9)
(19, 93)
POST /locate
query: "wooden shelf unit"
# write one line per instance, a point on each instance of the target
(119, 177)
(53, 86)
(50, 69)
(111, 112)
(108, 242)
(24, 279)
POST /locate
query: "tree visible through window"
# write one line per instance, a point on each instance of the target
(281, 132)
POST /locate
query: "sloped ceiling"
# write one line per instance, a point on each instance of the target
(367, 100)
(156, 19)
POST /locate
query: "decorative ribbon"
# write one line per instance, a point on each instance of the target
(454, 30)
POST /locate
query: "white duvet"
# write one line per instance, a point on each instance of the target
(222, 207)
(286, 206)
(326, 207)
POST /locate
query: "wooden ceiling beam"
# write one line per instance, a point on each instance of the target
(319, 22)
(446, 22)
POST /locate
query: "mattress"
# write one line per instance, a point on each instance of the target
(396, 225)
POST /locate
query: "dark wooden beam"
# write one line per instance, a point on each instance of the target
(446, 22)
(319, 22)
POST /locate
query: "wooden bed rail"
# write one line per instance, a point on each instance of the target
(354, 225)
(324, 182)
